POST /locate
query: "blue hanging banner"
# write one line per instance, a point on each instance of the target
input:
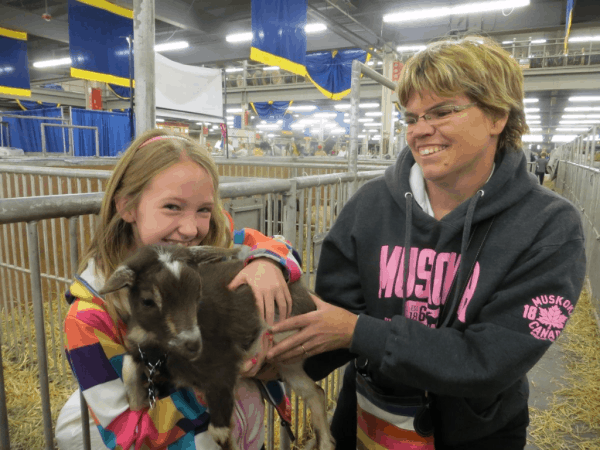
(569, 16)
(97, 46)
(27, 105)
(14, 67)
(278, 35)
(331, 72)
(270, 110)
(124, 93)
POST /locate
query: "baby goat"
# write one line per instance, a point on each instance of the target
(178, 305)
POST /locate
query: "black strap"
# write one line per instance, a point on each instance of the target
(448, 310)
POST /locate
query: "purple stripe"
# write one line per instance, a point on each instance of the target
(91, 366)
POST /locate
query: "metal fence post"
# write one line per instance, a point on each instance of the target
(40, 334)
(354, 101)
(289, 213)
(4, 434)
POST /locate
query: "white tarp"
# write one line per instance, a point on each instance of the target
(187, 92)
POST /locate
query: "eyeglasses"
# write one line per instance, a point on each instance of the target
(437, 115)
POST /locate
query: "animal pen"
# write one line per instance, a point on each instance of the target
(48, 218)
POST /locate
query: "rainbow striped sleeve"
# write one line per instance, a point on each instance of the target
(276, 248)
(95, 353)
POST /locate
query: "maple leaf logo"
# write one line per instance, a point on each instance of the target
(552, 317)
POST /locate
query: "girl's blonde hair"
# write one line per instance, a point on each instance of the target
(474, 66)
(138, 166)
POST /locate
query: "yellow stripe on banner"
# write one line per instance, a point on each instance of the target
(13, 34)
(252, 104)
(15, 91)
(273, 60)
(103, 4)
(117, 95)
(102, 77)
(331, 95)
(568, 31)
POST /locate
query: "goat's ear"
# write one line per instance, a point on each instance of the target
(205, 254)
(122, 277)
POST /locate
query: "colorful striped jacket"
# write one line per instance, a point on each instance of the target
(179, 419)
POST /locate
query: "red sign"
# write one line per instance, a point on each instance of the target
(96, 99)
(396, 69)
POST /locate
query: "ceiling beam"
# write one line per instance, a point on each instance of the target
(20, 20)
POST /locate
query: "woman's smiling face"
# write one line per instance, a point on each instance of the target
(455, 146)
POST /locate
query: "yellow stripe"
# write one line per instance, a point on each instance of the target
(326, 93)
(20, 105)
(13, 34)
(78, 290)
(252, 104)
(107, 6)
(272, 60)
(102, 77)
(568, 31)
(15, 91)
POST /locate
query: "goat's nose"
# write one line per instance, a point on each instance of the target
(192, 346)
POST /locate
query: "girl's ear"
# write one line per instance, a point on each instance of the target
(499, 124)
(126, 215)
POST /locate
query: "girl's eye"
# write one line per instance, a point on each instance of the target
(439, 113)
(172, 207)
(205, 210)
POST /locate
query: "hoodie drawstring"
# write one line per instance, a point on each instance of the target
(466, 240)
(407, 245)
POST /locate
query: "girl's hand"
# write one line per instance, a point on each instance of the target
(268, 285)
(253, 365)
(327, 328)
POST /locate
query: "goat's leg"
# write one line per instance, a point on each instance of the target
(314, 396)
(137, 393)
(220, 401)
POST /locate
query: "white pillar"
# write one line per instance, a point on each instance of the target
(144, 70)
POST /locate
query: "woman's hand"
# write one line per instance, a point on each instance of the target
(327, 328)
(268, 285)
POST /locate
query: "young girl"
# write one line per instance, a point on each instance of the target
(163, 190)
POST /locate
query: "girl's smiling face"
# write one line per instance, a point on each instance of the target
(175, 208)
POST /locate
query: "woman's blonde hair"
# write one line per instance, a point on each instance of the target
(114, 237)
(474, 66)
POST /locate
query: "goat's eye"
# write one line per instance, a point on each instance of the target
(148, 302)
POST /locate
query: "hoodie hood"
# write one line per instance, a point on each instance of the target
(508, 184)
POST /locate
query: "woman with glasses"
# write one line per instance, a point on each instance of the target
(447, 279)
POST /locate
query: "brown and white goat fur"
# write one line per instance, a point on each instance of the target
(178, 304)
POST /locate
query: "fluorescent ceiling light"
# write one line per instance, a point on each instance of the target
(534, 122)
(531, 100)
(343, 106)
(372, 124)
(229, 117)
(370, 63)
(584, 99)
(538, 41)
(584, 38)
(578, 122)
(167, 46)
(443, 11)
(327, 115)
(298, 126)
(569, 129)
(580, 116)
(564, 137)
(507, 42)
(374, 113)
(410, 48)
(270, 135)
(315, 27)
(234, 110)
(530, 110)
(368, 105)
(234, 69)
(268, 126)
(52, 63)
(366, 120)
(533, 116)
(162, 120)
(266, 69)
(582, 108)
(535, 130)
(533, 138)
(239, 37)
(360, 136)
(302, 108)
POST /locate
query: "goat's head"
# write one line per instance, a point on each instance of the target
(164, 292)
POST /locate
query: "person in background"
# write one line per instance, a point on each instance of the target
(164, 190)
(541, 166)
(343, 153)
(447, 279)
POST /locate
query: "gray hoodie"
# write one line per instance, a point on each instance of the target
(523, 289)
